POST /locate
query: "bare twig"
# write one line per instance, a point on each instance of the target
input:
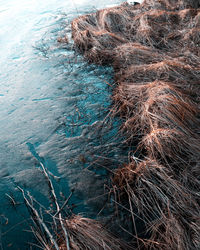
(57, 205)
(41, 222)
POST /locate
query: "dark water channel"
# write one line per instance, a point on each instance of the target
(53, 109)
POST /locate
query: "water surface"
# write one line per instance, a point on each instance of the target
(53, 109)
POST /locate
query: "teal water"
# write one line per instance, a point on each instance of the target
(53, 109)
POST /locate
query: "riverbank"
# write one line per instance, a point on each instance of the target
(154, 50)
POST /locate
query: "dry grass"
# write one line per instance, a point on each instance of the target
(134, 54)
(169, 210)
(167, 70)
(153, 105)
(88, 234)
(171, 145)
(154, 49)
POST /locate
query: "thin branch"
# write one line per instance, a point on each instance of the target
(41, 222)
(57, 205)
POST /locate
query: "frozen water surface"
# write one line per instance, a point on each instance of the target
(53, 109)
